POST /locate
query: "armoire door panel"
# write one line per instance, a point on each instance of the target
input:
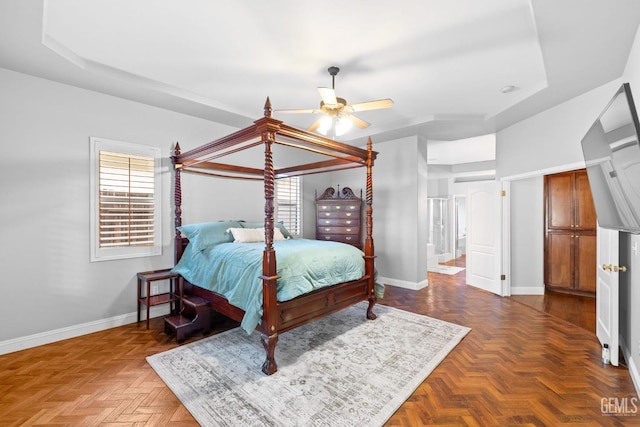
(559, 212)
(559, 265)
(584, 208)
(586, 267)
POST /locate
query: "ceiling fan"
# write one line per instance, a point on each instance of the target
(337, 111)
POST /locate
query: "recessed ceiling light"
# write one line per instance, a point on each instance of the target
(508, 89)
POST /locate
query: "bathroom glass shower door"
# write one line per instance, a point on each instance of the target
(439, 239)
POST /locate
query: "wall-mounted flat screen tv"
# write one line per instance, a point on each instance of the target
(612, 155)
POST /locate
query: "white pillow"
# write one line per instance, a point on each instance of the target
(277, 234)
(246, 235)
(252, 235)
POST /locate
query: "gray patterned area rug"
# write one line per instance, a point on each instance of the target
(342, 370)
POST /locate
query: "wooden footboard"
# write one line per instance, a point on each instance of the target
(296, 312)
(322, 302)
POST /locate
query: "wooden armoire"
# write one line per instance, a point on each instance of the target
(570, 233)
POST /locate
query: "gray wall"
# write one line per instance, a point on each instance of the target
(400, 236)
(48, 282)
(550, 141)
(399, 208)
(527, 237)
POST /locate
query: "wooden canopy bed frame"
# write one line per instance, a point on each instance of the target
(279, 317)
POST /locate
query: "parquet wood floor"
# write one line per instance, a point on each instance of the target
(518, 366)
(577, 309)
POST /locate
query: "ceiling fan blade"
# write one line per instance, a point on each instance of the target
(328, 96)
(358, 122)
(371, 105)
(300, 111)
(314, 126)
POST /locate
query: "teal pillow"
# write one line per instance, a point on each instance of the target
(206, 234)
(280, 225)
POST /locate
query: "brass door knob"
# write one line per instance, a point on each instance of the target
(614, 268)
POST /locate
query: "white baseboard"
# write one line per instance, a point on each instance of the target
(634, 372)
(527, 290)
(22, 343)
(416, 286)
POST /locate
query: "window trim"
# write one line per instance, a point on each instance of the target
(106, 254)
(299, 205)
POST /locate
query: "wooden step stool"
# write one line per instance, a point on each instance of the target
(194, 316)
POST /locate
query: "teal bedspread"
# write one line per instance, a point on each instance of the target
(233, 270)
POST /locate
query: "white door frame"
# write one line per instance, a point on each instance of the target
(506, 182)
(506, 238)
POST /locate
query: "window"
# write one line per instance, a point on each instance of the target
(288, 204)
(125, 200)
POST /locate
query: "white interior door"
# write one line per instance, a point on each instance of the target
(484, 238)
(607, 292)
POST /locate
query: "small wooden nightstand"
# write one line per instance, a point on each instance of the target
(172, 297)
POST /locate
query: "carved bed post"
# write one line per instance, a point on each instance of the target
(269, 269)
(177, 249)
(369, 252)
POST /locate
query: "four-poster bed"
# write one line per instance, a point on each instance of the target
(280, 316)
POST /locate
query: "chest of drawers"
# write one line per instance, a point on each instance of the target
(338, 216)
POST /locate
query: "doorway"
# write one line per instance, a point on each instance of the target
(446, 242)
(460, 226)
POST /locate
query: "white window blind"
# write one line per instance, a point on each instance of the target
(125, 200)
(288, 203)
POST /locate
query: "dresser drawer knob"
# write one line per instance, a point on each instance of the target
(348, 237)
(338, 207)
(349, 214)
(348, 229)
(327, 229)
(327, 237)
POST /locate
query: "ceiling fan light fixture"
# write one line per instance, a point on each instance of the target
(343, 124)
(338, 119)
(334, 125)
(325, 125)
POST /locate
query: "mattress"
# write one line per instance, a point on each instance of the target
(233, 270)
